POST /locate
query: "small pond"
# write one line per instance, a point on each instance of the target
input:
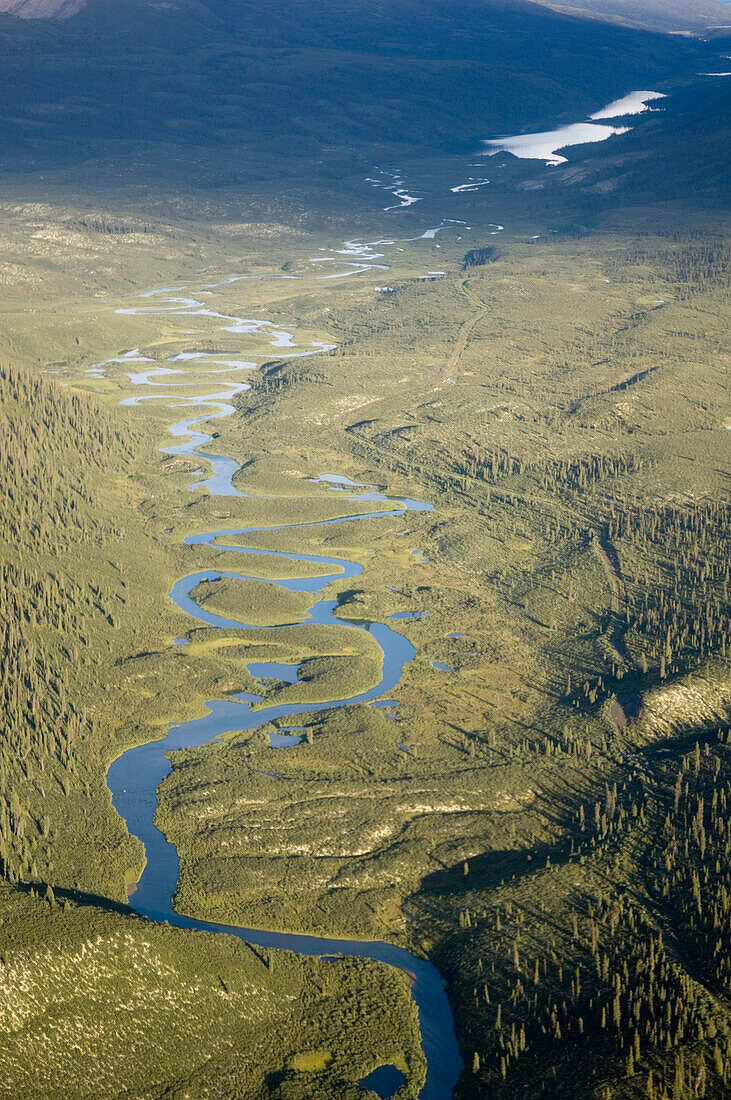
(384, 1081)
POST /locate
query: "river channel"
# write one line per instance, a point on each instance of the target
(136, 775)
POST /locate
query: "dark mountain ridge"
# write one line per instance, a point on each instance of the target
(112, 80)
(651, 14)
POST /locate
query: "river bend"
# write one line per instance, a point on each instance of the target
(136, 775)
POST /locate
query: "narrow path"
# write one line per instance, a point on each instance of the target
(607, 558)
(606, 555)
(466, 331)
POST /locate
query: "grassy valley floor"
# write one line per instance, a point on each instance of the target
(541, 809)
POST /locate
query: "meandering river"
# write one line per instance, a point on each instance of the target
(136, 775)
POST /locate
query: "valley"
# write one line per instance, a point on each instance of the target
(372, 683)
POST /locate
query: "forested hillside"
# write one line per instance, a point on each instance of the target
(86, 986)
(60, 599)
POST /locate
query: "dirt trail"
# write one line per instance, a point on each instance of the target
(607, 557)
(610, 563)
(466, 331)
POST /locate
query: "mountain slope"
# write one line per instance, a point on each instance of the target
(659, 15)
(679, 152)
(298, 78)
(41, 9)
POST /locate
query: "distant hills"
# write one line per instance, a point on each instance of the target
(201, 95)
(214, 87)
(660, 15)
(42, 9)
